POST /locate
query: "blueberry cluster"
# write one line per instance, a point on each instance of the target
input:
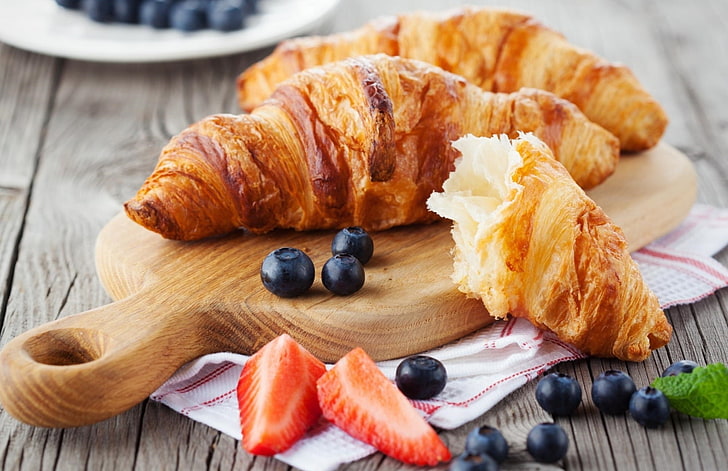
(288, 272)
(351, 249)
(486, 448)
(184, 15)
(613, 392)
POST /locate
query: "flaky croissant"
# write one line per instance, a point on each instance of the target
(358, 142)
(498, 50)
(530, 243)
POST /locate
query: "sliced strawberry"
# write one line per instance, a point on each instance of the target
(277, 396)
(357, 397)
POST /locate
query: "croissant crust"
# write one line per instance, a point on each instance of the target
(358, 142)
(532, 244)
(498, 50)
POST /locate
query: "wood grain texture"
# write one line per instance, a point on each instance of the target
(676, 48)
(20, 101)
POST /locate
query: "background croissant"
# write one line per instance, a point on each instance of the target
(498, 50)
(530, 243)
(358, 142)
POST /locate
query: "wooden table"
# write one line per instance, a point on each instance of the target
(78, 138)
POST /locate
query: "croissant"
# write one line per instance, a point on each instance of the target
(498, 50)
(358, 142)
(530, 243)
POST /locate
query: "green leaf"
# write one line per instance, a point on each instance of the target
(702, 393)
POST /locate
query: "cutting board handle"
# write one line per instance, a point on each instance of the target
(87, 367)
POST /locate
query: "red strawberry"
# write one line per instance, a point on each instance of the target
(277, 396)
(357, 397)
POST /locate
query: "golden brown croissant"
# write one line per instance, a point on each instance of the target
(359, 142)
(529, 242)
(498, 50)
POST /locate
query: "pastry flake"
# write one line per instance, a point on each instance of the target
(530, 243)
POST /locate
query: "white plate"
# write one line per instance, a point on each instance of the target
(43, 26)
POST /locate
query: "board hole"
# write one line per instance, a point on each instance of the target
(62, 347)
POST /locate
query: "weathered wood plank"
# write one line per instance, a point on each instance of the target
(697, 66)
(26, 86)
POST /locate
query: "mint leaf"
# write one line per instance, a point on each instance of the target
(702, 393)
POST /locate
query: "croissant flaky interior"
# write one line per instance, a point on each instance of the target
(530, 243)
(498, 50)
(358, 142)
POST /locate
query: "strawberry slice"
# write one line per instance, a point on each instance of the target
(277, 396)
(357, 397)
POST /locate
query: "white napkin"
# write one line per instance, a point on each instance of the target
(482, 368)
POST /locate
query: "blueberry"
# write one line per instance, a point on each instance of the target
(421, 377)
(547, 443)
(355, 241)
(287, 272)
(470, 462)
(188, 15)
(99, 10)
(649, 407)
(225, 15)
(155, 13)
(126, 11)
(682, 366)
(72, 4)
(343, 274)
(250, 6)
(558, 394)
(611, 392)
(487, 440)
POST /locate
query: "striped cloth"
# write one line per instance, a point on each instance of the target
(482, 368)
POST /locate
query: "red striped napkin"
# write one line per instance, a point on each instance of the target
(482, 368)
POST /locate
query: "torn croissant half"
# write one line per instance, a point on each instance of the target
(362, 142)
(498, 50)
(530, 243)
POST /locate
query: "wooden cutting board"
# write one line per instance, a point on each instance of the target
(176, 301)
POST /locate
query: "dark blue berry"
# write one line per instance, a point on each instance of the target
(547, 443)
(99, 10)
(155, 13)
(355, 241)
(287, 272)
(469, 462)
(683, 366)
(343, 274)
(226, 15)
(250, 6)
(126, 11)
(558, 394)
(185, 15)
(421, 377)
(611, 392)
(188, 15)
(487, 440)
(649, 407)
(72, 4)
